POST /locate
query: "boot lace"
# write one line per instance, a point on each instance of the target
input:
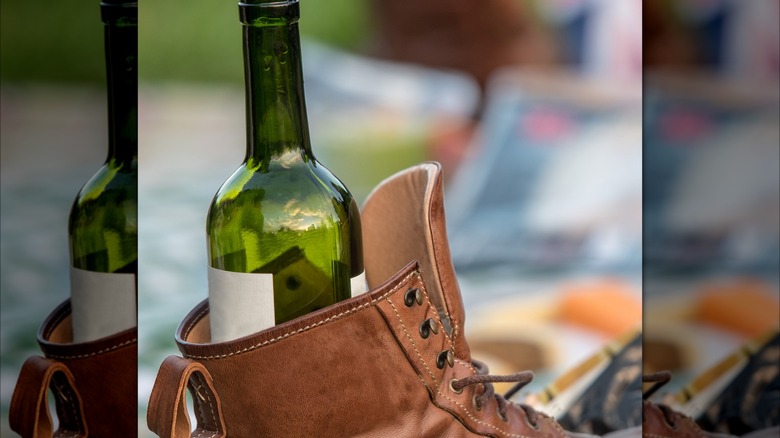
(414, 296)
(482, 377)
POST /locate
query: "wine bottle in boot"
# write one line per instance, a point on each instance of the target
(283, 232)
(103, 225)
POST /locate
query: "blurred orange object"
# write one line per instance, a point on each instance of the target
(745, 305)
(606, 305)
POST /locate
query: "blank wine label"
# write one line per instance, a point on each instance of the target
(102, 303)
(240, 304)
(358, 284)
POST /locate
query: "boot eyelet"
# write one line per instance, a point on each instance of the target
(424, 330)
(433, 325)
(428, 326)
(413, 295)
(475, 403)
(503, 417)
(446, 357)
(534, 424)
(441, 359)
(452, 388)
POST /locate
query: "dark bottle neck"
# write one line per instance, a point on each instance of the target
(121, 43)
(275, 107)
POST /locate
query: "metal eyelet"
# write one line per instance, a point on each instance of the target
(475, 403)
(428, 326)
(424, 329)
(413, 295)
(434, 326)
(503, 417)
(446, 357)
(452, 388)
(534, 424)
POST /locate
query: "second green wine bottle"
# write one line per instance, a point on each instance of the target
(284, 235)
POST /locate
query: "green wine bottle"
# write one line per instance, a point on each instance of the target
(283, 232)
(103, 226)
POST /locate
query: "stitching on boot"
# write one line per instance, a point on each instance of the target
(76, 416)
(199, 433)
(455, 327)
(212, 420)
(308, 327)
(694, 425)
(436, 314)
(556, 424)
(79, 356)
(466, 411)
(466, 364)
(408, 336)
(72, 396)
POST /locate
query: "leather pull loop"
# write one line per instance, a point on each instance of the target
(167, 414)
(29, 411)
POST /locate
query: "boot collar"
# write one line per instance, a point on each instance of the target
(403, 220)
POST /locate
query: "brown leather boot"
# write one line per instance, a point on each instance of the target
(392, 362)
(95, 384)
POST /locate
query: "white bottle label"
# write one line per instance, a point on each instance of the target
(240, 304)
(358, 284)
(102, 303)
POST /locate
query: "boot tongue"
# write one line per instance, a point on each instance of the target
(403, 220)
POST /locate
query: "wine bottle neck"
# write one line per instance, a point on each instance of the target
(121, 43)
(275, 107)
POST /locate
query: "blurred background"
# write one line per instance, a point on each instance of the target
(53, 137)
(533, 108)
(712, 210)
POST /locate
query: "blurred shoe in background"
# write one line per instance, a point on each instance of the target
(600, 395)
(740, 394)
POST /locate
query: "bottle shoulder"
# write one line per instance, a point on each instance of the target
(109, 200)
(110, 183)
(282, 181)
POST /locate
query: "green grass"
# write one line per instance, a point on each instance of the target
(193, 40)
